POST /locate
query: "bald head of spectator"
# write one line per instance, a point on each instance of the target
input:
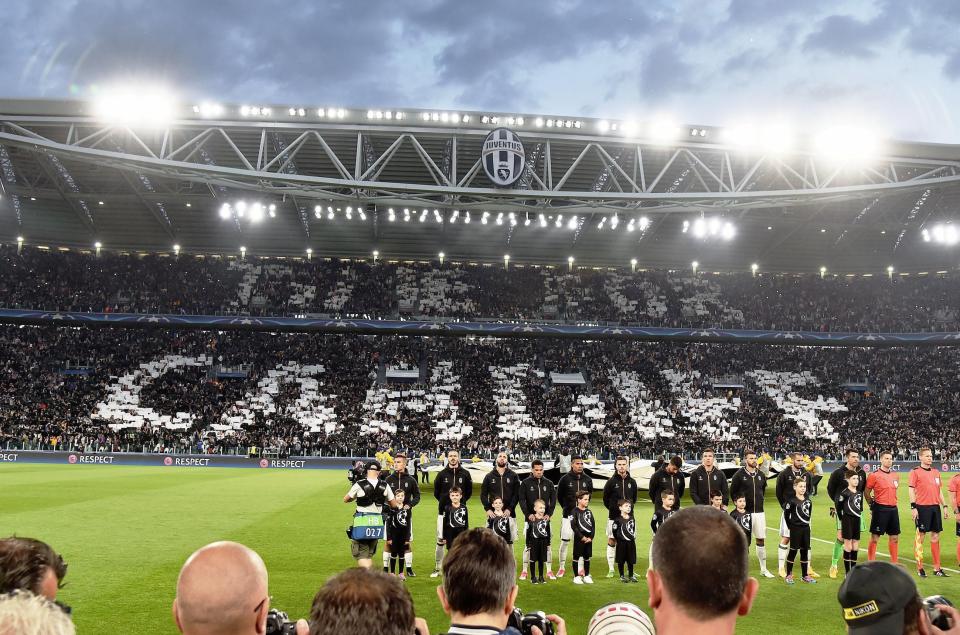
(692, 589)
(222, 589)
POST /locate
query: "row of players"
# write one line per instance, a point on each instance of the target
(502, 491)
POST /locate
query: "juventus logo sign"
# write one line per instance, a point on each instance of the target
(503, 157)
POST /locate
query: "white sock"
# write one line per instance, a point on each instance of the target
(386, 557)
(611, 556)
(439, 556)
(408, 559)
(549, 559)
(526, 559)
(650, 559)
(762, 557)
(782, 555)
(579, 566)
(564, 545)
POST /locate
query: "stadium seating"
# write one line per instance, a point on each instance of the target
(157, 390)
(42, 279)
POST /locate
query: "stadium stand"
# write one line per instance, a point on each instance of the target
(222, 392)
(71, 281)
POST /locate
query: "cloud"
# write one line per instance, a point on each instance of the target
(664, 73)
(848, 36)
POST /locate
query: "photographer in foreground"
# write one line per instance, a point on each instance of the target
(364, 601)
(879, 598)
(222, 589)
(480, 587)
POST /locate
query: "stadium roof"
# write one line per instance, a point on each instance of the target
(73, 174)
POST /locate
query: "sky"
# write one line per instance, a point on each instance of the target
(891, 65)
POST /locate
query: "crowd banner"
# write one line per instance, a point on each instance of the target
(477, 328)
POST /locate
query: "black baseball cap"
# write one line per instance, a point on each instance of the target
(873, 597)
(373, 465)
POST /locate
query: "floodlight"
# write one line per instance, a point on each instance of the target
(176, 249)
(614, 221)
(225, 211)
(538, 122)
(846, 143)
(140, 106)
(98, 244)
(572, 223)
(663, 130)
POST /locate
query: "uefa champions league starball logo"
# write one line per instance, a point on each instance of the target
(264, 463)
(168, 461)
(72, 459)
(503, 157)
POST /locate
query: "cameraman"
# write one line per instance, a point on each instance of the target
(480, 586)
(370, 493)
(222, 588)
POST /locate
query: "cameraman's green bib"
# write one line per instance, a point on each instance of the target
(367, 526)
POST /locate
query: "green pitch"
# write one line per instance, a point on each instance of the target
(125, 532)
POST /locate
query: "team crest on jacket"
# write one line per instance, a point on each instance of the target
(503, 157)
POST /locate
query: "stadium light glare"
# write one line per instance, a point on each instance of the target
(572, 223)
(225, 211)
(538, 122)
(542, 219)
(98, 244)
(753, 268)
(330, 215)
(19, 239)
(317, 210)
(686, 226)
(843, 143)
(256, 213)
(506, 261)
(136, 106)
(466, 219)
(943, 234)
(644, 223)
(890, 272)
(376, 254)
(442, 256)
(823, 271)
(663, 130)
(570, 262)
(309, 253)
(696, 265)
(633, 264)
(176, 249)
(614, 221)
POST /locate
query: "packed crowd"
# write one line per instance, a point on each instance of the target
(33, 278)
(64, 388)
